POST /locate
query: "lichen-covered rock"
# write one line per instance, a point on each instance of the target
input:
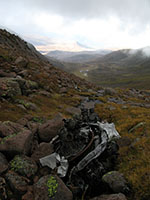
(27, 104)
(51, 187)
(119, 196)
(3, 163)
(8, 128)
(17, 143)
(18, 184)
(116, 182)
(24, 166)
(9, 87)
(50, 129)
(27, 86)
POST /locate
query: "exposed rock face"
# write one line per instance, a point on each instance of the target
(111, 197)
(116, 182)
(24, 165)
(17, 143)
(51, 187)
(50, 129)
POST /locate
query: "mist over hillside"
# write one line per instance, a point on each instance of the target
(127, 68)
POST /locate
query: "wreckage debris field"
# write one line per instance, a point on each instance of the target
(85, 151)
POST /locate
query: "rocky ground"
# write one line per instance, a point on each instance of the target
(35, 97)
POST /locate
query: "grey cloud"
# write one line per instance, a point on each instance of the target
(138, 10)
(127, 10)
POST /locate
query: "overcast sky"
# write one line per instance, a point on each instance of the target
(95, 23)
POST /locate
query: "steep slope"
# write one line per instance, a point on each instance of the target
(26, 75)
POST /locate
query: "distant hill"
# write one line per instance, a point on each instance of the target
(123, 68)
(77, 57)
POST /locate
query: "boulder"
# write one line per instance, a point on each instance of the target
(8, 128)
(3, 163)
(23, 165)
(9, 87)
(115, 181)
(27, 86)
(51, 187)
(73, 111)
(18, 184)
(21, 62)
(110, 91)
(43, 150)
(27, 104)
(17, 143)
(119, 196)
(50, 129)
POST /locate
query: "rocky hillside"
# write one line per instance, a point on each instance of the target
(44, 110)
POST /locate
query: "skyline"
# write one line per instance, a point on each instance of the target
(109, 24)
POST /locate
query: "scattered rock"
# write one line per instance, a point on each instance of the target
(26, 104)
(50, 129)
(63, 90)
(8, 128)
(115, 181)
(43, 150)
(21, 62)
(119, 196)
(45, 93)
(51, 187)
(17, 183)
(73, 111)
(9, 87)
(24, 166)
(110, 91)
(3, 163)
(3, 194)
(17, 143)
(27, 86)
(29, 195)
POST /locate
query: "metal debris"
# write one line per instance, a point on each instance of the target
(53, 160)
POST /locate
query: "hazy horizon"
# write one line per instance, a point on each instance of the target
(98, 24)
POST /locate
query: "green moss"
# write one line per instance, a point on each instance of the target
(38, 120)
(17, 163)
(52, 186)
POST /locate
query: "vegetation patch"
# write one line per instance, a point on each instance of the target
(52, 186)
(133, 124)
